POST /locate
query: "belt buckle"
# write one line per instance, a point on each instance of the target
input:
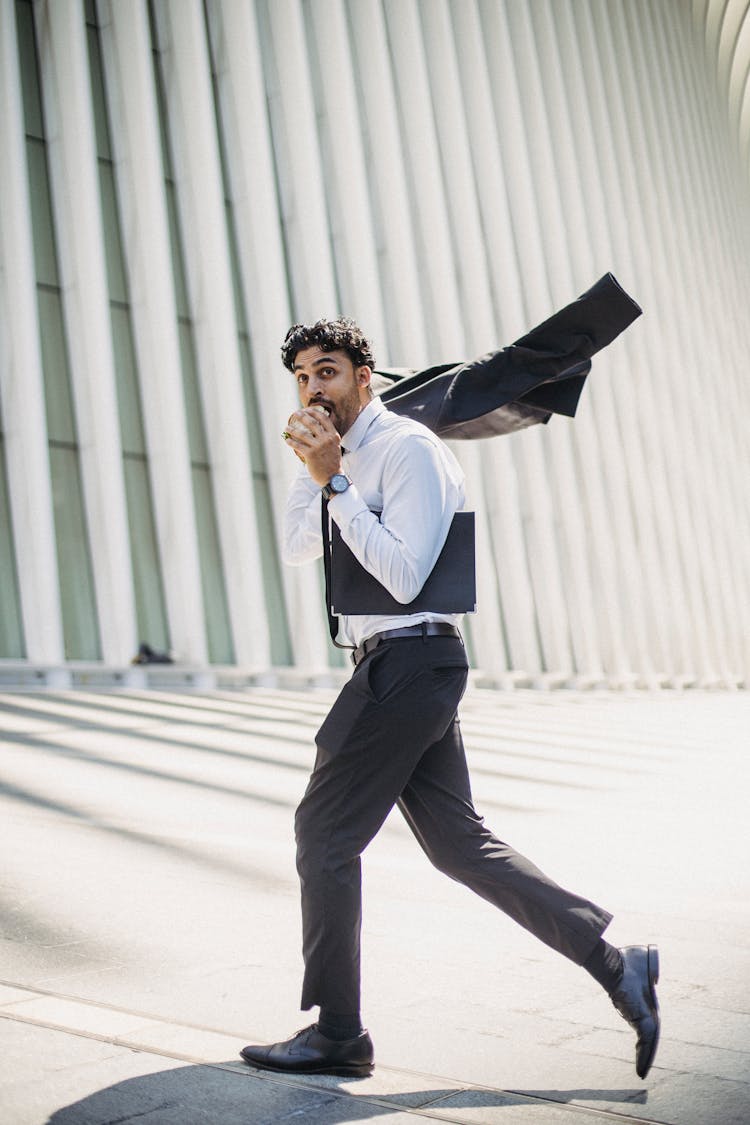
(367, 646)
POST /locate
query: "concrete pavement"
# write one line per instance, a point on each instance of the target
(150, 920)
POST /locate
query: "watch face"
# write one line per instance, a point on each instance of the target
(339, 483)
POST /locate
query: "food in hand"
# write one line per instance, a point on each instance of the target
(296, 426)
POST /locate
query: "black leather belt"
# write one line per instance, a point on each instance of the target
(426, 629)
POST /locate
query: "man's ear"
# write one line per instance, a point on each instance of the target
(364, 375)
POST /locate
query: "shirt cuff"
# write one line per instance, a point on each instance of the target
(346, 506)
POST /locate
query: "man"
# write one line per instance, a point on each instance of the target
(392, 736)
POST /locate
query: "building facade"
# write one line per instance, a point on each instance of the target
(182, 179)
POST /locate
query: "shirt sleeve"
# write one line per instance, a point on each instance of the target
(302, 533)
(401, 546)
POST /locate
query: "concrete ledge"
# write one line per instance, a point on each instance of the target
(20, 673)
(92, 673)
(232, 677)
(165, 677)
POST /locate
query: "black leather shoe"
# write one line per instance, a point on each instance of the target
(635, 1000)
(309, 1052)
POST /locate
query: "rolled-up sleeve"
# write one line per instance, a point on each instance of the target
(302, 535)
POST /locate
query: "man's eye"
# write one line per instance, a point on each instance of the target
(302, 378)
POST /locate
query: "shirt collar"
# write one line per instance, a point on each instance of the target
(354, 436)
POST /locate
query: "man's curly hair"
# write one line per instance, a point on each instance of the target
(342, 334)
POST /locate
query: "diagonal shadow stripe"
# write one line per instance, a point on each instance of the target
(70, 812)
(60, 750)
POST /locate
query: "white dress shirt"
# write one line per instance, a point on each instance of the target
(400, 469)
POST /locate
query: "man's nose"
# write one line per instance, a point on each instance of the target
(313, 388)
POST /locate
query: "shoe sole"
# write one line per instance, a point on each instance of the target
(652, 963)
(355, 1071)
(653, 968)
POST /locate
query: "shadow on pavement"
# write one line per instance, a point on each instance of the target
(223, 1093)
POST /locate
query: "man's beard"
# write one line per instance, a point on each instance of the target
(345, 413)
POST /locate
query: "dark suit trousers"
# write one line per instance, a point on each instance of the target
(393, 737)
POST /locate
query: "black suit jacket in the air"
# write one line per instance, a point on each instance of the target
(541, 374)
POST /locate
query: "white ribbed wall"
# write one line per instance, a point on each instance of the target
(448, 172)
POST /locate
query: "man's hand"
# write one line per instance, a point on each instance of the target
(314, 438)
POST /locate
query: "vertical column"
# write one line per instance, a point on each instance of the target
(501, 479)
(503, 582)
(131, 96)
(743, 95)
(399, 270)
(715, 520)
(63, 57)
(661, 247)
(299, 162)
(735, 16)
(437, 265)
(201, 204)
(539, 512)
(700, 8)
(21, 379)
(261, 261)
(600, 627)
(561, 239)
(727, 182)
(437, 274)
(639, 482)
(300, 165)
(627, 626)
(631, 616)
(347, 173)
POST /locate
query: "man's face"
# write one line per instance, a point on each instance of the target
(330, 379)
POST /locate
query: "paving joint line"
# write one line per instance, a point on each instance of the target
(37, 991)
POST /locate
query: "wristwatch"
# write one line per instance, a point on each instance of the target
(336, 485)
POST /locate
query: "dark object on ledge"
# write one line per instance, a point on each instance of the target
(147, 655)
(541, 374)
